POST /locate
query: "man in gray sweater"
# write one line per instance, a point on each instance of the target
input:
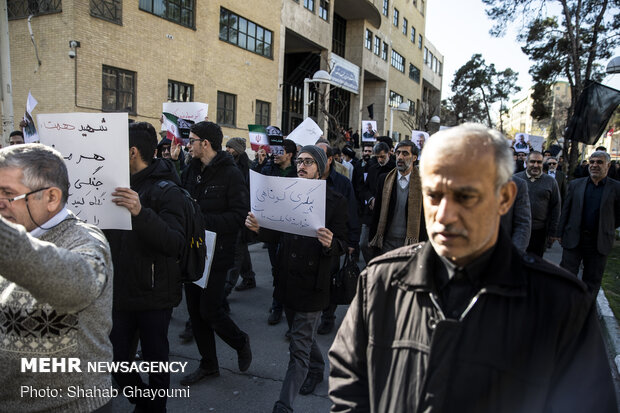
(55, 291)
(545, 203)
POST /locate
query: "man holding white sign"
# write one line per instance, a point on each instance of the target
(302, 276)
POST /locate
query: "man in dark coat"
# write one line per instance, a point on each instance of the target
(589, 220)
(281, 165)
(215, 182)
(465, 323)
(302, 281)
(147, 284)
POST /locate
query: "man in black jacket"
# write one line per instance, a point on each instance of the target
(302, 281)
(589, 220)
(147, 283)
(465, 323)
(215, 182)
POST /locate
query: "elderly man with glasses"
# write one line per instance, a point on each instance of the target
(590, 216)
(55, 287)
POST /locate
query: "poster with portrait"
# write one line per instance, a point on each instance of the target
(369, 131)
(521, 143)
(419, 138)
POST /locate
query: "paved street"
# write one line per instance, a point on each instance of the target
(257, 389)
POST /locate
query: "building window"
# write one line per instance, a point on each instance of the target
(226, 109)
(439, 68)
(386, 7)
(395, 99)
(118, 90)
(324, 9)
(309, 4)
(415, 3)
(405, 23)
(411, 107)
(412, 34)
(180, 92)
(368, 42)
(420, 41)
(395, 17)
(384, 51)
(178, 11)
(398, 61)
(339, 35)
(263, 111)
(377, 48)
(430, 60)
(248, 35)
(110, 10)
(414, 73)
(18, 9)
(425, 55)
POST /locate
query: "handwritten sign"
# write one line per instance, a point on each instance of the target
(95, 147)
(194, 111)
(307, 133)
(292, 205)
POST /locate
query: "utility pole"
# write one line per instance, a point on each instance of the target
(6, 89)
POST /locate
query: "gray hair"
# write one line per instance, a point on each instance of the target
(601, 154)
(529, 155)
(41, 166)
(380, 147)
(458, 139)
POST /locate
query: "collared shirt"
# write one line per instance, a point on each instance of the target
(551, 173)
(458, 285)
(403, 180)
(51, 223)
(531, 177)
(592, 205)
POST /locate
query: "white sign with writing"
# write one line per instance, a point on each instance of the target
(95, 147)
(194, 111)
(307, 133)
(292, 205)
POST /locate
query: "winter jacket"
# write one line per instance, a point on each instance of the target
(303, 266)
(528, 341)
(224, 201)
(146, 269)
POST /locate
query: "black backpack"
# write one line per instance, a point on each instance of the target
(194, 252)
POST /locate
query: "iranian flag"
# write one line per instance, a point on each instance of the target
(171, 123)
(258, 137)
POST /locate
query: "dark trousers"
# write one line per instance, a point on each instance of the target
(206, 312)
(305, 356)
(152, 326)
(538, 242)
(593, 265)
(242, 266)
(272, 249)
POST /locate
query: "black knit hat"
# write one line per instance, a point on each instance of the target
(318, 155)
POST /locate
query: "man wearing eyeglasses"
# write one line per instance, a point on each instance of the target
(590, 215)
(302, 275)
(55, 287)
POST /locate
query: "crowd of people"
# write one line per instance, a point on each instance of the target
(455, 311)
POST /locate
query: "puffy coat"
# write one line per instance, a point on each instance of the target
(146, 271)
(224, 201)
(529, 341)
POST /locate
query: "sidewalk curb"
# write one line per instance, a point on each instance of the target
(609, 325)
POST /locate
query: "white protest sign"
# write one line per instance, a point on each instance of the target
(537, 142)
(95, 147)
(194, 111)
(307, 133)
(292, 205)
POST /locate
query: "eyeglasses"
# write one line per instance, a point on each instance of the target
(552, 163)
(305, 161)
(23, 196)
(192, 140)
